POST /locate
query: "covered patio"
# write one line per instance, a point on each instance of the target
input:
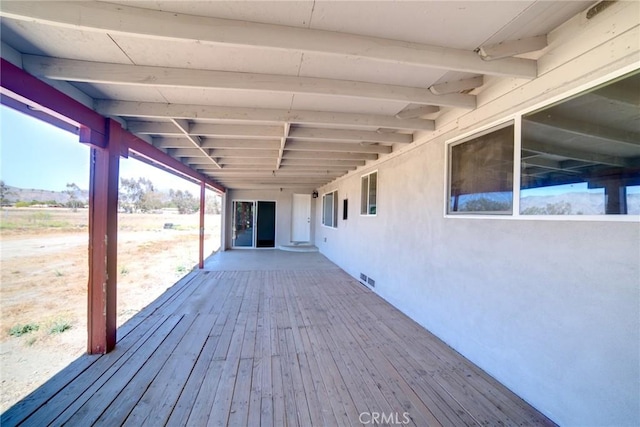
(334, 125)
(272, 338)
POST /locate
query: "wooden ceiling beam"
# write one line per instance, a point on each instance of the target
(322, 163)
(304, 117)
(206, 129)
(292, 155)
(114, 19)
(126, 74)
(241, 143)
(283, 142)
(295, 145)
(225, 152)
(268, 174)
(337, 135)
(183, 125)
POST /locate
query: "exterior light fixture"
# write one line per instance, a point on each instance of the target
(314, 194)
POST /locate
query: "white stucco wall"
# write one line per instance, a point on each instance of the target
(550, 308)
(284, 209)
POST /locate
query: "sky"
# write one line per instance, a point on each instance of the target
(35, 154)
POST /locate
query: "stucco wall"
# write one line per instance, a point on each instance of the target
(551, 308)
(284, 207)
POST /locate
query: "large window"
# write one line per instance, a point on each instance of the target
(330, 209)
(369, 193)
(579, 156)
(481, 173)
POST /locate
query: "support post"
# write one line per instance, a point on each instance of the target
(103, 241)
(202, 208)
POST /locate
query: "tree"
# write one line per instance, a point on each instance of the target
(151, 201)
(484, 204)
(212, 204)
(184, 201)
(4, 193)
(134, 195)
(73, 191)
(560, 208)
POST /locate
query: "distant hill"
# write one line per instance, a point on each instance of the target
(578, 203)
(17, 194)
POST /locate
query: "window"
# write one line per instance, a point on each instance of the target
(481, 173)
(330, 209)
(578, 156)
(581, 156)
(345, 209)
(369, 190)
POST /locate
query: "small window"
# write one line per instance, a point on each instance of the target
(369, 193)
(345, 209)
(330, 209)
(481, 173)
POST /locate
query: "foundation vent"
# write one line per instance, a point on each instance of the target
(371, 282)
(363, 277)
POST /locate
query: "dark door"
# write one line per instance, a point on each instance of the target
(266, 225)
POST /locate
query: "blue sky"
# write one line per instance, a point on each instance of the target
(34, 154)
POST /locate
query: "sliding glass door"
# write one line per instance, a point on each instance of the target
(243, 224)
(254, 224)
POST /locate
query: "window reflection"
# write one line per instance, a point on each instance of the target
(582, 156)
(482, 173)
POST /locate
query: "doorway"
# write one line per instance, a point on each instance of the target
(254, 224)
(266, 225)
(301, 218)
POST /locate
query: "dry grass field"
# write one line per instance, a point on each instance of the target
(43, 284)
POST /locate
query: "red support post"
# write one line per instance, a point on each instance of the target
(103, 241)
(202, 208)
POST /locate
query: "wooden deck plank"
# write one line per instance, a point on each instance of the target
(279, 415)
(202, 403)
(445, 413)
(200, 377)
(157, 402)
(296, 385)
(239, 413)
(474, 402)
(266, 395)
(255, 393)
(339, 399)
(220, 410)
(273, 347)
(128, 388)
(492, 390)
(203, 371)
(82, 388)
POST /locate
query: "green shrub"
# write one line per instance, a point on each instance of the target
(20, 330)
(60, 327)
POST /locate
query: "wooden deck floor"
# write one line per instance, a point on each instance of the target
(272, 347)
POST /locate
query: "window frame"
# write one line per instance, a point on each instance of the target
(448, 163)
(368, 175)
(334, 217)
(517, 148)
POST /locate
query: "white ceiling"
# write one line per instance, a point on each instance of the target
(367, 62)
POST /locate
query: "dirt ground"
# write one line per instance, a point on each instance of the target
(43, 265)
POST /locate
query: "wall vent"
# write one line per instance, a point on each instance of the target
(363, 277)
(371, 282)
